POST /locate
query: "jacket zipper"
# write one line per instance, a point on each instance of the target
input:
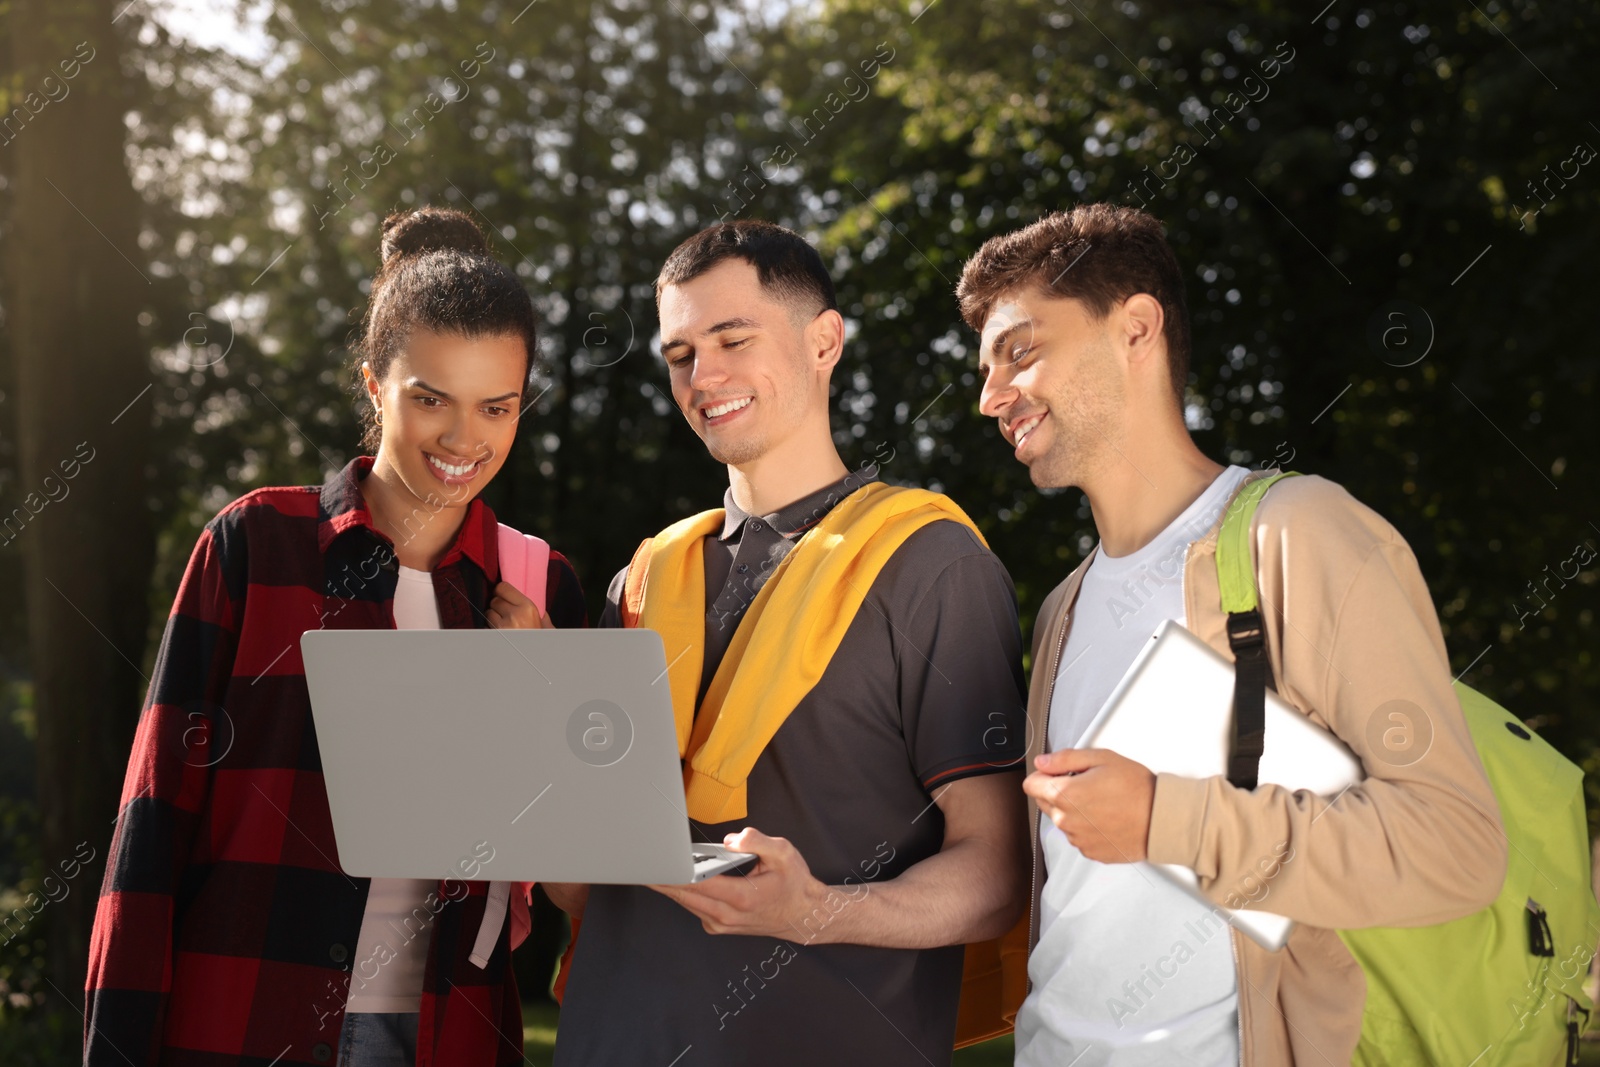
(1238, 983)
(1038, 824)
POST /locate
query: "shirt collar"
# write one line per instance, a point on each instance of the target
(342, 508)
(792, 520)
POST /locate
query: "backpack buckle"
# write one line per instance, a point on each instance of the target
(1245, 631)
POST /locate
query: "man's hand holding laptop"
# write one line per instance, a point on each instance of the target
(1100, 800)
(770, 899)
(966, 891)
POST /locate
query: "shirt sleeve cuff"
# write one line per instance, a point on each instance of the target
(1176, 817)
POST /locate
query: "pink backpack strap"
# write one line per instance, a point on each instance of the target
(525, 563)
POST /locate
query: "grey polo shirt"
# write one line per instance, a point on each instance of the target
(925, 688)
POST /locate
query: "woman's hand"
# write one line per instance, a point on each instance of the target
(511, 610)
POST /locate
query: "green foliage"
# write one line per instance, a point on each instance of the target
(30, 1034)
(1366, 158)
(573, 133)
(1370, 156)
(1389, 159)
(27, 1034)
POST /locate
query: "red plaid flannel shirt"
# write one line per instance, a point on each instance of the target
(226, 930)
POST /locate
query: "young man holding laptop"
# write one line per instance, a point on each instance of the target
(1084, 359)
(845, 669)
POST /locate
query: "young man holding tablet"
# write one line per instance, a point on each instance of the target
(1084, 360)
(844, 659)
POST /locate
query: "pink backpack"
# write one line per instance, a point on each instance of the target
(525, 563)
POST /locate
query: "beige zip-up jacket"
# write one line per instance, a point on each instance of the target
(1353, 640)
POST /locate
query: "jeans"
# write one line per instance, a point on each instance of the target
(378, 1039)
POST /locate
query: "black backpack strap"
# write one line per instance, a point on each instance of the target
(1251, 671)
(1247, 637)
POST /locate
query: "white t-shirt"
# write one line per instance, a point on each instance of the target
(1129, 970)
(392, 951)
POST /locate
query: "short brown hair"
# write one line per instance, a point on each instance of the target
(786, 264)
(1100, 254)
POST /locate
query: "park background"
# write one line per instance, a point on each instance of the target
(1385, 210)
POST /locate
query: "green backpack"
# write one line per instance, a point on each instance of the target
(1503, 986)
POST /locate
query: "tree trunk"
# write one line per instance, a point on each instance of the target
(83, 418)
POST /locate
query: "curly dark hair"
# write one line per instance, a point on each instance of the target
(437, 275)
(1100, 254)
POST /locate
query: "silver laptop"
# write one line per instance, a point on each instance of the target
(1173, 712)
(504, 755)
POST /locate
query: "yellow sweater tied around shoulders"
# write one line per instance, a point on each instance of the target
(778, 654)
(786, 638)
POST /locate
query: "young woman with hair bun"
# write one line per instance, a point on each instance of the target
(226, 932)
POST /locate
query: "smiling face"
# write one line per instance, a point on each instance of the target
(450, 406)
(1054, 383)
(748, 369)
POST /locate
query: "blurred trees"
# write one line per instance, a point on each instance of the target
(1382, 211)
(578, 134)
(76, 506)
(1379, 153)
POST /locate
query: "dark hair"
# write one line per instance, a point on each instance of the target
(786, 264)
(1100, 254)
(437, 275)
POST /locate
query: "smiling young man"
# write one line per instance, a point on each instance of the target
(1084, 360)
(846, 677)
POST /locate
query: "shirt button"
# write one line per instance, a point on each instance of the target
(322, 1052)
(338, 953)
(756, 526)
(743, 567)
